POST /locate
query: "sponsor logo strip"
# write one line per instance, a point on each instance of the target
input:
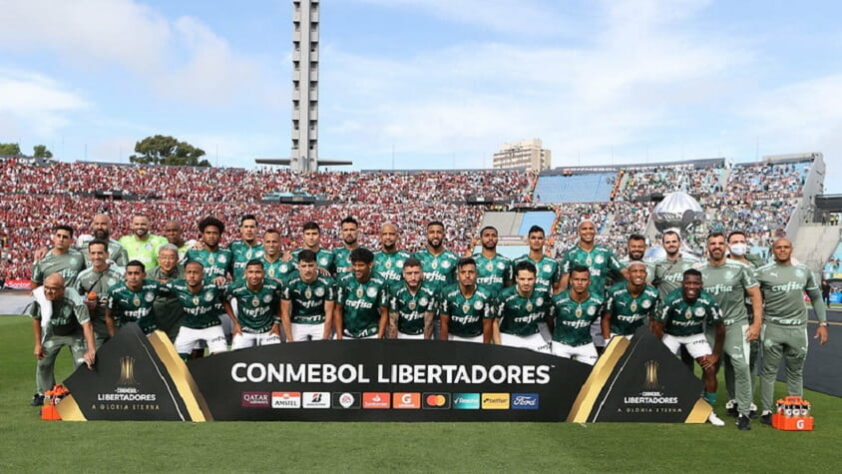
(376, 400)
(466, 401)
(286, 399)
(525, 401)
(406, 400)
(255, 399)
(435, 401)
(495, 401)
(316, 400)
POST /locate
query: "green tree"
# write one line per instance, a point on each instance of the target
(9, 149)
(165, 150)
(41, 151)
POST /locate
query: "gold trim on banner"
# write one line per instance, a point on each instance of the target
(69, 410)
(184, 383)
(589, 392)
(700, 412)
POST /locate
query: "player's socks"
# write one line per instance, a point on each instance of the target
(710, 397)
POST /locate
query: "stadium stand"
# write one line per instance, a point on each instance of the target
(543, 219)
(588, 187)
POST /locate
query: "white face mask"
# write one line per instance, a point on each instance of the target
(739, 250)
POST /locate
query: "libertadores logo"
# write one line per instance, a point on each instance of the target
(406, 400)
(376, 400)
(255, 399)
(436, 401)
(495, 401)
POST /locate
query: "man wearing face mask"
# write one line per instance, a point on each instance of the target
(167, 309)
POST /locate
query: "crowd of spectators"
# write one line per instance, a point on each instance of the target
(640, 184)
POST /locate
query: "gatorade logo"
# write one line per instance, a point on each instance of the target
(436, 401)
(406, 400)
(376, 400)
(495, 401)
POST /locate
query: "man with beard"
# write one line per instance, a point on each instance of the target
(630, 304)
(669, 273)
(681, 320)
(276, 268)
(201, 301)
(311, 239)
(140, 245)
(412, 305)
(783, 284)
(362, 304)
(572, 312)
(174, 235)
(257, 321)
(602, 264)
(437, 263)
(635, 251)
(389, 261)
(349, 231)
(520, 308)
(307, 301)
(167, 308)
(217, 261)
(247, 247)
(494, 271)
(729, 282)
(93, 283)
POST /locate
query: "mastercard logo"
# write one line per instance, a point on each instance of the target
(436, 401)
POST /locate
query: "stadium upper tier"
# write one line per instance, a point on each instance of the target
(591, 187)
(758, 198)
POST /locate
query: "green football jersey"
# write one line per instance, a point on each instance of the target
(439, 270)
(307, 300)
(670, 273)
(361, 303)
(145, 251)
(627, 312)
(202, 309)
(241, 253)
(390, 265)
(69, 313)
(116, 252)
(466, 314)
(493, 274)
(548, 272)
(519, 315)
(411, 308)
(681, 318)
(257, 310)
(342, 260)
(324, 259)
(783, 288)
(135, 306)
(217, 263)
(573, 319)
(67, 264)
(279, 270)
(90, 282)
(601, 261)
(727, 284)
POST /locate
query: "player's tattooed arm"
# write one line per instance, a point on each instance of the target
(428, 325)
(393, 325)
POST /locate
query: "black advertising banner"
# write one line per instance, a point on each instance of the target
(649, 384)
(129, 382)
(388, 380)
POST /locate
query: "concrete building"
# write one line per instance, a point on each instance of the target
(523, 154)
(305, 86)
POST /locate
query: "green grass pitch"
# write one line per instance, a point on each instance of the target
(29, 444)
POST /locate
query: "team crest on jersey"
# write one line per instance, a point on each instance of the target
(591, 310)
(547, 267)
(728, 275)
(255, 302)
(148, 247)
(646, 304)
(578, 312)
(799, 273)
(208, 296)
(399, 264)
(445, 264)
(371, 292)
(323, 261)
(319, 292)
(222, 259)
(136, 301)
(284, 268)
(501, 265)
(112, 282)
(423, 301)
(599, 259)
(267, 298)
(411, 305)
(529, 306)
(388, 264)
(195, 300)
(211, 259)
(74, 261)
(478, 305)
(588, 261)
(466, 308)
(700, 311)
(149, 297)
(271, 272)
(540, 301)
(489, 266)
(249, 254)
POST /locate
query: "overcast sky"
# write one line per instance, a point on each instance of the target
(440, 82)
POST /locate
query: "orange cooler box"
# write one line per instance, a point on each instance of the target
(799, 422)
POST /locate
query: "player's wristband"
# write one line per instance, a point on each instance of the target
(823, 324)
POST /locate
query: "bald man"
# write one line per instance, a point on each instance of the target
(388, 261)
(784, 333)
(68, 325)
(175, 235)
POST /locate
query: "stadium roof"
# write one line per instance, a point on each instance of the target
(698, 164)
